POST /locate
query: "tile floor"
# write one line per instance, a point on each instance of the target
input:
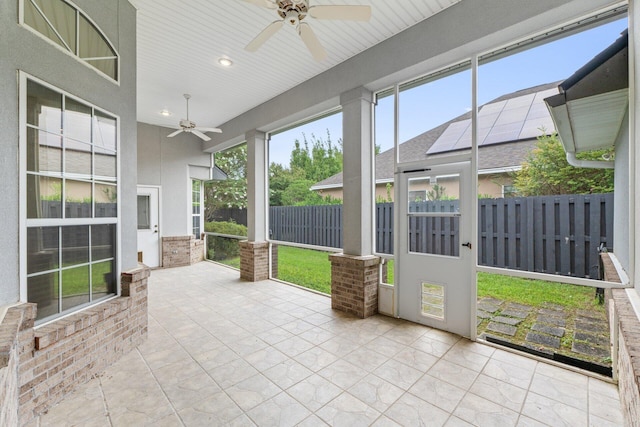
(225, 352)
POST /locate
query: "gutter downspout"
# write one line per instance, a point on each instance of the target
(592, 164)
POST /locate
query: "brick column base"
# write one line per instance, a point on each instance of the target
(354, 284)
(254, 261)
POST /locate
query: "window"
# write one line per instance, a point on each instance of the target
(70, 29)
(196, 206)
(71, 200)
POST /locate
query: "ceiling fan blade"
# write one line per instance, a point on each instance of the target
(263, 3)
(313, 44)
(347, 13)
(200, 135)
(264, 36)
(172, 134)
(209, 130)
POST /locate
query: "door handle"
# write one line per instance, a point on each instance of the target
(468, 244)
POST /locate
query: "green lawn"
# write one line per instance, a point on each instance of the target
(536, 292)
(312, 269)
(305, 267)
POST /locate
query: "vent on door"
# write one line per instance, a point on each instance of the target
(433, 300)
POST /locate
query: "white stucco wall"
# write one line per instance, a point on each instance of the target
(171, 163)
(21, 49)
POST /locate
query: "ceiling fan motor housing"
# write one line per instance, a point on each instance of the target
(187, 124)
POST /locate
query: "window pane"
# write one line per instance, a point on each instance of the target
(43, 290)
(75, 287)
(44, 151)
(77, 120)
(44, 107)
(144, 212)
(59, 14)
(63, 18)
(103, 279)
(42, 249)
(77, 158)
(106, 201)
(93, 45)
(434, 235)
(77, 199)
(44, 196)
(103, 239)
(75, 245)
(107, 66)
(196, 226)
(105, 163)
(105, 131)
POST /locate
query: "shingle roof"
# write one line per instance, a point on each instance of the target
(502, 155)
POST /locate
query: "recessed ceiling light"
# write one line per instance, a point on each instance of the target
(225, 62)
(165, 112)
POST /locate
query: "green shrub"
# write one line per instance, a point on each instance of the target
(220, 248)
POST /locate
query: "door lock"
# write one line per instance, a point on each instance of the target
(468, 244)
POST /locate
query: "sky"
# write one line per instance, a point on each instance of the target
(422, 108)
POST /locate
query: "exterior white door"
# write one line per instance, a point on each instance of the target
(433, 258)
(148, 230)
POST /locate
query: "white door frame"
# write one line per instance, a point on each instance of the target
(141, 191)
(454, 275)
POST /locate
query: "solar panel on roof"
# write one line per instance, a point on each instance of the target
(449, 138)
(509, 120)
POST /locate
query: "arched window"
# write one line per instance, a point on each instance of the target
(70, 29)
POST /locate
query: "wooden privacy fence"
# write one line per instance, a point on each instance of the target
(549, 234)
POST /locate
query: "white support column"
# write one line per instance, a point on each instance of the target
(358, 174)
(256, 186)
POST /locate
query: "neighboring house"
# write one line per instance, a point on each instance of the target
(509, 127)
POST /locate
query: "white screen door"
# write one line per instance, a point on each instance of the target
(434, 261)
(148, 231)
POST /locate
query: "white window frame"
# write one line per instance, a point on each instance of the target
(24, 223)
(67, 51)
(199, 215)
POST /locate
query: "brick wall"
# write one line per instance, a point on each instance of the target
(254, 260)
(53, 359)
(628, 328)
(178, 251)
(9, 362)
(354, 284)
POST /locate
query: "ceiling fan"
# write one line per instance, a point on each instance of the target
(188, 126)
(293, 12)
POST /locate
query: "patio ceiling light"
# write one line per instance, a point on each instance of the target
(225, 62)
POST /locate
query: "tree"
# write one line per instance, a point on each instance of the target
(547, 172)
(311, 160)
(231, 192)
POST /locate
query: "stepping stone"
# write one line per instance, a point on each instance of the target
(591, 339)
(507, 320)
(518, 307)
(545, 340)
(551, 306)
(590, 314)
(591, 326)
(554, 313)
(490, 305)
(549, 330)
(502, 328)
(589, 350)
(515, 313)
(552, 320)
(484, 315)
(478, 321)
